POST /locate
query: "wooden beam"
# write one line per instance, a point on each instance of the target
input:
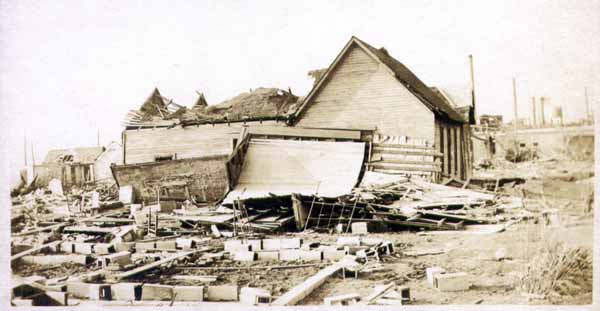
(153, 265)
(431, 153)
(300, 291)
(405, 167)
(34, 250)
(446, 150)
(460, 143)
(304, 132)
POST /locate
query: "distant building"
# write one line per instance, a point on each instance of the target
(491, 121)
(73, 167)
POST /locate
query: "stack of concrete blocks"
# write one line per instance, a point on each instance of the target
(438, 278)
(126, 291)
(254, 296)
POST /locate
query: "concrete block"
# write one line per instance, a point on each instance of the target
(184, 243)
(56, 259)
(268, 255)
(157, 292)
(222, 293)
(431, 273)
(103, 248)
(124, 246)
(166, 245)
(333, 254)
(67, 247)
(244, 256)
(449, 282)
(289, 254)
(360, 228)
(291, 243)
(255, 245)
(120, 258)
(60, 298)
(84, 248)
(348, 240)
(126, 194)
(314, 255)
(235, 245)
(142, 246)
(125, 234)
(342, 300)
(89, 291)
(271, 244)
(370, 241)
(254, 296)
(188, 293)
(126, 291)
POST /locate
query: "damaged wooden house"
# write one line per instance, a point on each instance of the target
(77, 166)
(174, 152)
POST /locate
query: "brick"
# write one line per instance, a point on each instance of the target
(291, 243)
(271, 244)
(431, 273)
(103, 248)
(188, 293)
(166, 245)
(253, 296)
(360, 228)
(314, 255)
(348, 240)
(222, 293)
(244, 256)
(333, 254)
(125, 291)
(157, 292)
(268, 255)
(448, 282)
(289, 254)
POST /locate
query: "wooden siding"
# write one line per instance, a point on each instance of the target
(362, 94)
(142, 146)
(454, 141)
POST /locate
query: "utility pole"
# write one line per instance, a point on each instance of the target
(533, 111)
(516, 119)
(542, 99)
(472, 88)
(98, 138)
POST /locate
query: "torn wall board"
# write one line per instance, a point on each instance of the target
(283, 167)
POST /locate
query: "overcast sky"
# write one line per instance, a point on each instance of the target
(69, 68)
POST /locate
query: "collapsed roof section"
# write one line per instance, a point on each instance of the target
(259, 104)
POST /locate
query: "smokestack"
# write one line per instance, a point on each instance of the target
(588, 115)
(516, 120)
(542, 110)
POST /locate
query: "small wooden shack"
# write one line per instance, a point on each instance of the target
(73, 167)
(415, 131)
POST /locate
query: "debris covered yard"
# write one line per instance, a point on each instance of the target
(499, 240)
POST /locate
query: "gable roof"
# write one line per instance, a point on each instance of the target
(85, 155)
(400, 72)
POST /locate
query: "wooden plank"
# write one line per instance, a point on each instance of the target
(34, 250)
(304, 132)
(404, 146)
(455, 143)
(459, 155)
(446, 150)
(405, 167)
(400, 161)
(304, 289)
(153, 265)
(406, 152)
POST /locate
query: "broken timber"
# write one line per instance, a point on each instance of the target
(152, 265)
(299, 292)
